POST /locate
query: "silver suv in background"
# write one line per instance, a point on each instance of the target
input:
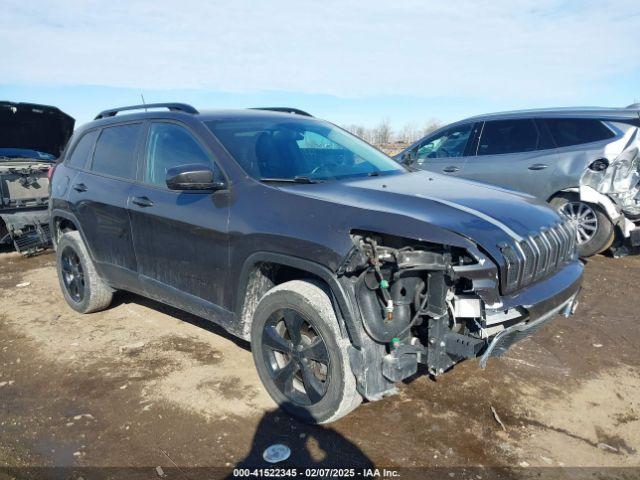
(583, 161)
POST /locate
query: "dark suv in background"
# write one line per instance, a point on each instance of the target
(583, 161)
(343, 268)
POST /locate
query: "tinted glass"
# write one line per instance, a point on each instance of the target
(298, 147)
(508, 136)
(169, 146)
(449, 144)
(83, 149)
(566, 131)
(115, 152)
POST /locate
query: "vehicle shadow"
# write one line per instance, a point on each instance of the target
(123, 298)
(312, 446)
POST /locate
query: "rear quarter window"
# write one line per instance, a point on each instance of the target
(82, 150)
(115, 152)
(567, 131)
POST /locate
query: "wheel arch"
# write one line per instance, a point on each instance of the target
(262, 271)
(587, 194)
(564, 192)
(63, 221)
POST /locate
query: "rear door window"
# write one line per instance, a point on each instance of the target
(83, 149)
(576, 131)
(115, 152)
(508, 136)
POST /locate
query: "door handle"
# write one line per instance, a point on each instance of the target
(80, 187)
(538, 166)
(450, 169)
(142, 202)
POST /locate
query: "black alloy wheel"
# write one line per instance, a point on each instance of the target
(296, 357)
(72, 274)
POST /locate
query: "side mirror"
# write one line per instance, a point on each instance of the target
(408, 158)
(193, 177)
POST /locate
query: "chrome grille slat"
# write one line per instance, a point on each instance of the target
(540, 257)
(537, 256)
(544, 236)
(565, 241)
(556, 244)
(530, 263)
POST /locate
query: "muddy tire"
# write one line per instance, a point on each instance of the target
(81, 286)
(300, 354)
(597, 234)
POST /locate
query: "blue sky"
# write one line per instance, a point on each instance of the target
(347, 61)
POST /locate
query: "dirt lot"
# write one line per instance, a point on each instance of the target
(187, 395)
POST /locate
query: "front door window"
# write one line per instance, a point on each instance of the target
(448, 144)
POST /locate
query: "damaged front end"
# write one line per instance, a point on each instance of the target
(615, 185)
(32, 136)
(24, 216)
(434, 305)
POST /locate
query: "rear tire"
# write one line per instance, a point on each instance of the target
(597, 233)
(81, 286)
(300, 354)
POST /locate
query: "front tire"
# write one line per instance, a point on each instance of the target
(595, 230)
(81, 286)
(300, 354)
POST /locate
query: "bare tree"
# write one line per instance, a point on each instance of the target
(359, 131)
(382, 132)
(409, 133)
(431, 125)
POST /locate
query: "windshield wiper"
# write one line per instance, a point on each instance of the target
(296, 179)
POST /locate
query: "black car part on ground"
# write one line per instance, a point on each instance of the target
(28, 230)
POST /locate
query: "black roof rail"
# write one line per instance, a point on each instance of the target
(174, 107)
(295, 111)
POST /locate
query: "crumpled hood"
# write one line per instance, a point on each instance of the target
(35, 127)
(485, 214)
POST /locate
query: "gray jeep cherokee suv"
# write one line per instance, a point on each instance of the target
(344, 269)
(584, 161)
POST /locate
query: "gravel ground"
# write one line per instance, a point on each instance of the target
(144, 385)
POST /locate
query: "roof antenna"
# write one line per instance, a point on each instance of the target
(143, 102)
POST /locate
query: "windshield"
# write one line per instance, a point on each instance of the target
(22, 153)
(299, 149)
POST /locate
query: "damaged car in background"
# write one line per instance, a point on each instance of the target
(583, 161)
(32, 137)
(344, 269)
